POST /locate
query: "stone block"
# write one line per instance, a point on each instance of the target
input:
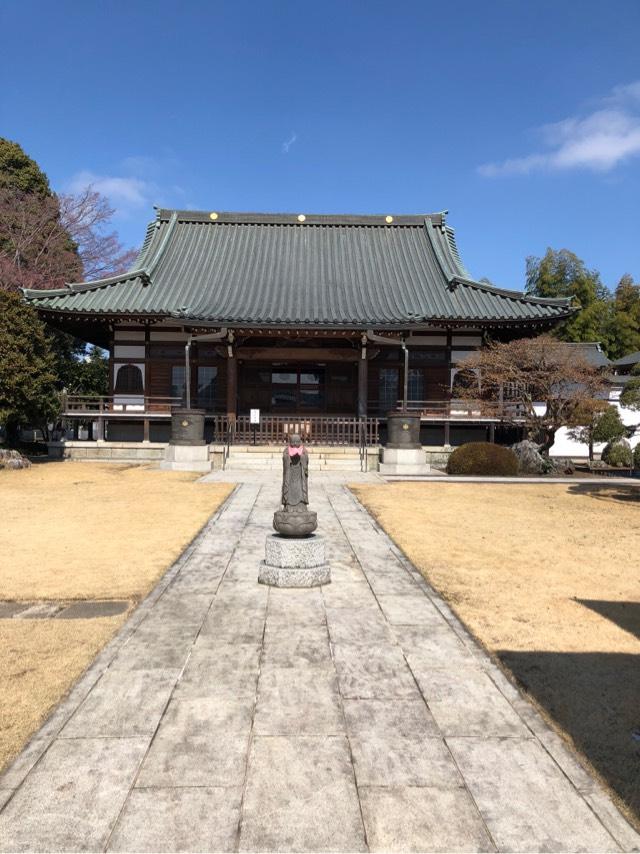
(186, 453)
(407, 461)
(304, 553)
(278, 576)
(186, 458)
(291, 562)
(404, 456)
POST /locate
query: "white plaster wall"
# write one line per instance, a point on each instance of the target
(565, 446)
(128, 351)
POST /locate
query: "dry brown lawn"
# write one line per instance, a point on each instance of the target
(81, 531)
(548, 578)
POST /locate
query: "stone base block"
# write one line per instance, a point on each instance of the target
(294, 563)
(304, 553)
(284, 576)
(399, 461)
(186, 458)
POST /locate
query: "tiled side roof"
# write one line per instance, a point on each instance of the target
(629, 359)
(281, 269)
(591, 352)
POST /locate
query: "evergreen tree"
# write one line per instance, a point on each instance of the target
(19, 172)
(28, 393)
(625, 332)
(611, 319)
(630, 396)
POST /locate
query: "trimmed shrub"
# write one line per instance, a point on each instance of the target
(483, 458)
(618, 454)
(636, 457)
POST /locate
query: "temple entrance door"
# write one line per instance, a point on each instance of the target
(298, 389)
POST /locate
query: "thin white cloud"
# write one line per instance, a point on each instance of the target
(289, 142)
(597, 141)
(136, 184)
(126, 193)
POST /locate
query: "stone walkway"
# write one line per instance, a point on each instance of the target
(360, 716)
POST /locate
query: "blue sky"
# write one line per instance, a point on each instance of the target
(522, 119)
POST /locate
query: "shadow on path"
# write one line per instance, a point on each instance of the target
(595, 698)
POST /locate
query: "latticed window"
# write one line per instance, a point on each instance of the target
(178, 387)
(415, 390)
(388, 388)
(207, 376)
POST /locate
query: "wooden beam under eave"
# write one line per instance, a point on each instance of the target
(298, 354)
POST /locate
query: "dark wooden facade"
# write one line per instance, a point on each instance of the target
(286, 373)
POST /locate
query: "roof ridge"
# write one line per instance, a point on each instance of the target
(299, 219)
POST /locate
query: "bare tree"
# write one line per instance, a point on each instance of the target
(540, 383)
(35, 249)
(86, 216)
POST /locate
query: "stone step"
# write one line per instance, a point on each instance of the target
(312, 450)
(322, 456)
(276, 465)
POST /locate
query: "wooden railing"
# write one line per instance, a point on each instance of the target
(462, 410)
(313, 429)
(97, 405)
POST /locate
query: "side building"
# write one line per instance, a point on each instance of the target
(322, 323)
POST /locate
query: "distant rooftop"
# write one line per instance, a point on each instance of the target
(630, 359)
(593, 353)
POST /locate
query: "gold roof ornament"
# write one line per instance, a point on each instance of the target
(388, 218)
(213, 215)
(301, 217)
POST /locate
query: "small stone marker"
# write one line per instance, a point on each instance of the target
(295, 556)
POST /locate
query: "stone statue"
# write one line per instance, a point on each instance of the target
(295, 519)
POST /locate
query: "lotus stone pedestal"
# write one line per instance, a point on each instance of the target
(294, 562)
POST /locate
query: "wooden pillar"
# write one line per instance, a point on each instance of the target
(145, 430)
(100, 436)
(232, 384)
(363, 382)
(447, 433)
(492, 433)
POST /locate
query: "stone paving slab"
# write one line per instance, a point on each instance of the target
(301, 796)
(507, 777)
(184, 819)
(422, 819)
(123, 704)
(91, 610)
(71, 799)
(229, 716)
(301, 700)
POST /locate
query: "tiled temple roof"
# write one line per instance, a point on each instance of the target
(294, 270)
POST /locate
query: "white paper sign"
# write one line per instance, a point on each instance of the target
(254, 416)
